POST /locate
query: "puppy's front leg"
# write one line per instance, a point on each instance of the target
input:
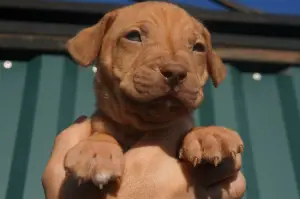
(98, 159)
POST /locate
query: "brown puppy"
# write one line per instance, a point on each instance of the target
(153, 60)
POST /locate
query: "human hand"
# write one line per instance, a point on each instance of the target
(217, 146)
(216, 183)
(54, 178)
(223, 182)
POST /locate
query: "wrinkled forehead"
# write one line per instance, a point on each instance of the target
(155, 16)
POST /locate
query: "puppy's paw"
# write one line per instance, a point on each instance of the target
(210, 144)
(96, 161)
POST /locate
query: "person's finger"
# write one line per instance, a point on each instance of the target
(213, 175)
(231, 188)
(69, 137)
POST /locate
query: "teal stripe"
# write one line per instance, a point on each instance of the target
(12, 84)
(21, 152)
(196, 116)
(242, 119)
(223, 102)
(67, 95)
(289, 93)
(1, 70)
(272, 158)
(85, 97)
(206, 110)
(45, 121)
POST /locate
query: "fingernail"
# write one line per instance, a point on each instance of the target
(80, 119)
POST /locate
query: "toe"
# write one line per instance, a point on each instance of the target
(191, 152)
(211, 149)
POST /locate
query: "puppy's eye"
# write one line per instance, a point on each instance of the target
(134, 36)
(199, 47)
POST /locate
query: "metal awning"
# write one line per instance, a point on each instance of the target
(45, 26)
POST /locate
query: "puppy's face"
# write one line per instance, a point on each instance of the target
(156, 54)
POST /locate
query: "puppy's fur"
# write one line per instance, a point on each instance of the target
(152, 61)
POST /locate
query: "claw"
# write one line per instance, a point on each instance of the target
(100, 186)
(68, 172)
(240, 149)
(195, 161)
(180, 154)
(80, 181)
(176, 89)
(216, 161)
(118, 180)
(233, 155)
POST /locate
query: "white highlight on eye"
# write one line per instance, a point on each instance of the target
(7, 64)
(256, 76)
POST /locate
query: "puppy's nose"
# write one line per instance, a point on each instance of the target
(174, 74)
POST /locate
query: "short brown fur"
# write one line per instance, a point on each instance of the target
(137, 107)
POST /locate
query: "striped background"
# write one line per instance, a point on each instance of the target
(40, 97)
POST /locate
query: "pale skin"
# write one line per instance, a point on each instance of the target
(212, 185)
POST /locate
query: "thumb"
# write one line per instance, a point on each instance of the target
(230, 188)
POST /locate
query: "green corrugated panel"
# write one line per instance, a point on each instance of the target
(41, 97)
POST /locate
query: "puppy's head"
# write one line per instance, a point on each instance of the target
(157, 56)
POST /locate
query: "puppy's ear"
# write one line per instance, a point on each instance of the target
(86, 45)
(216, 68)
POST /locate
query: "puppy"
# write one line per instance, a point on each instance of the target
(152, 60)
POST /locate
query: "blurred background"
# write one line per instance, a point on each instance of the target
(42, 90)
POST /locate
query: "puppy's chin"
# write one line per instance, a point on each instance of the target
(191, 100)
(167, 101)
(160, 110)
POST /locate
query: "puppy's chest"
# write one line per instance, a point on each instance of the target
(152, 173)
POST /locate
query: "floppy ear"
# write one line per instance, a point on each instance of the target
(216, 68)
(86, 45)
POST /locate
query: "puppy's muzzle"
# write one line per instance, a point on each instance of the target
(174, 74)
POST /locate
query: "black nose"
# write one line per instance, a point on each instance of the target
(174, 74)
